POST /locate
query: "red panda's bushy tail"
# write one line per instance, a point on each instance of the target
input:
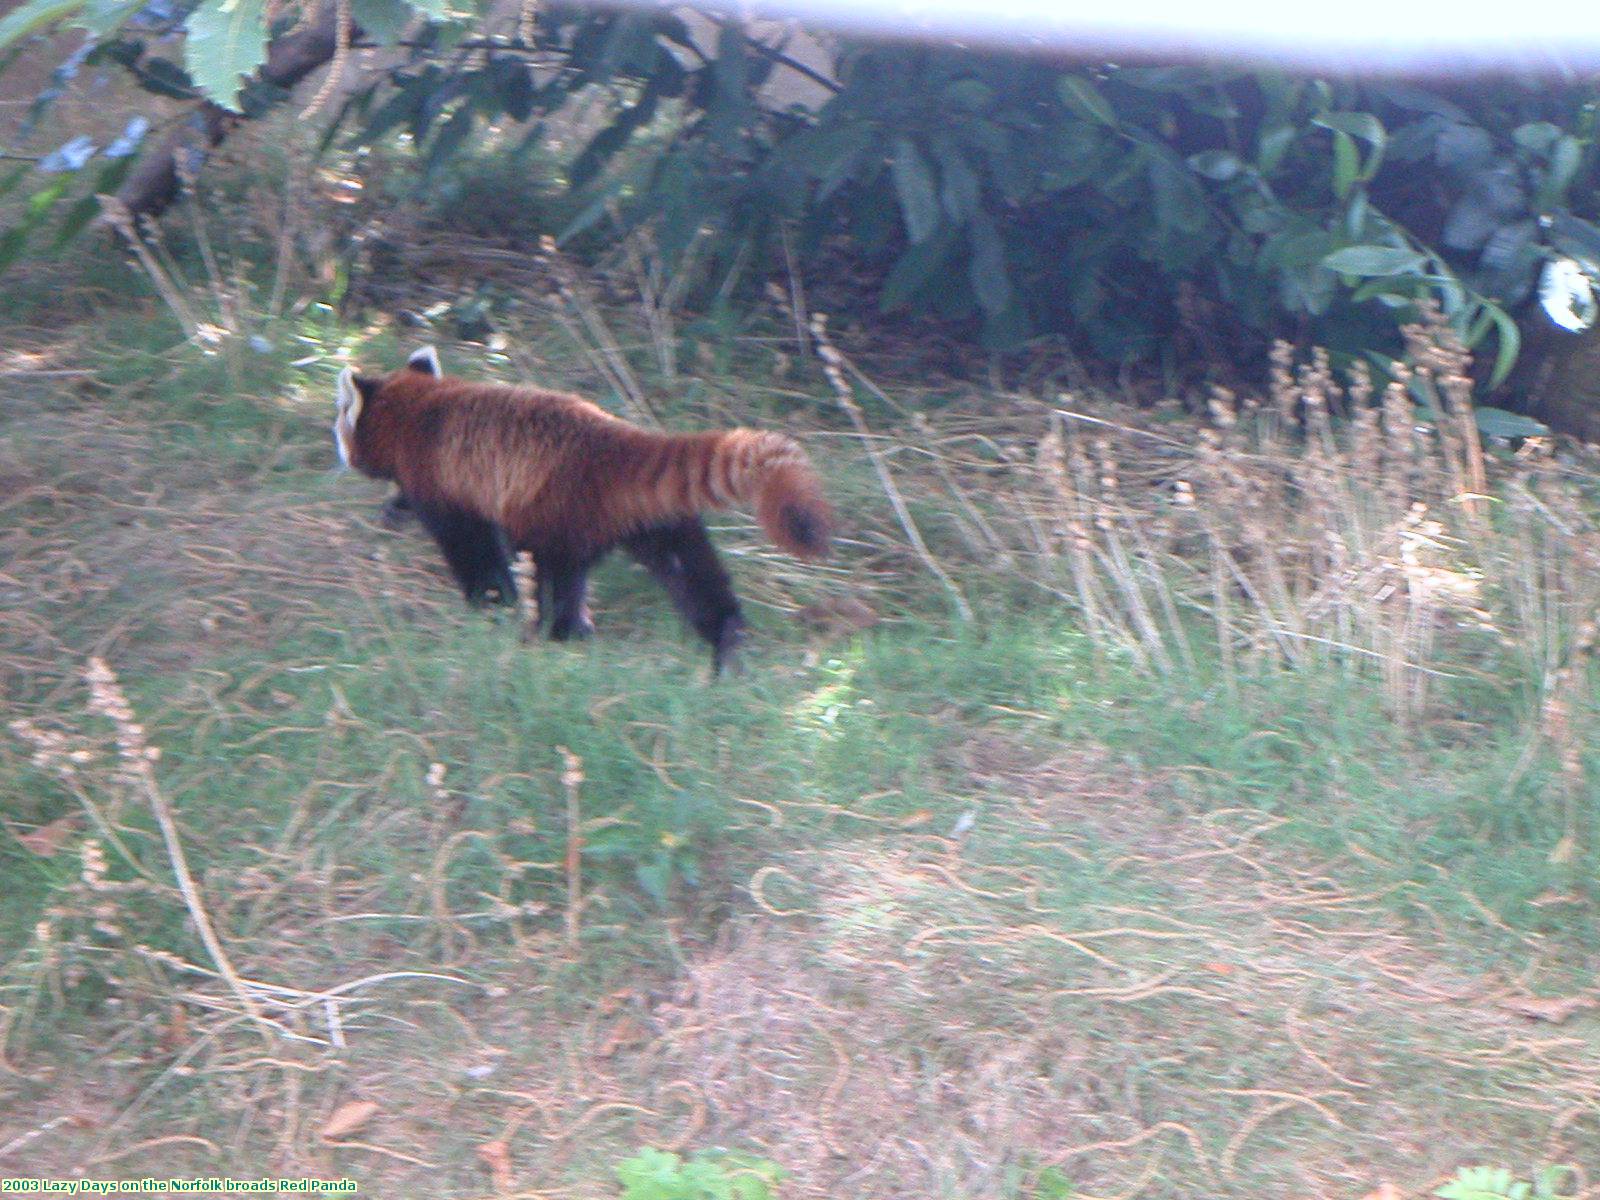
(772, 473)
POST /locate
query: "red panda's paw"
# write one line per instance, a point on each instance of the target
(573, 628)
(725, 655)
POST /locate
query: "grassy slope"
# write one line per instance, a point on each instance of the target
(922, 913)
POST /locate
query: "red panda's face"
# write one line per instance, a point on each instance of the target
(354, 392)
(348, 403)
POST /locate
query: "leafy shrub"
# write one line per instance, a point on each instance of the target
(707, 1175)
(1498, 1183)
(1155, 212)
(1128, 206)
(1146, 212)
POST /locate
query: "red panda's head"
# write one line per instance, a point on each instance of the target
(355, 391)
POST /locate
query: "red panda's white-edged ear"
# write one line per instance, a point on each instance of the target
(348, 396)
(425, 360)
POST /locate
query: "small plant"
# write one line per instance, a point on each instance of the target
(1052, 1184)
(706, 1175)
(1497, 1183)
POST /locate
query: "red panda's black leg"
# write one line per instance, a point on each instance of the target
(396, 511)
(564, 588)
(682, 559)
(474, 548)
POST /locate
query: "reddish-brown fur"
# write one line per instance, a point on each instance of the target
(556, 471)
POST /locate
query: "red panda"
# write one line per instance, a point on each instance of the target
(490, 469)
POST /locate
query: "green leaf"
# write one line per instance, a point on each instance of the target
(87, 208)
(1078, 94)
(960, 192)
(1357, 124)
(1417, 99)
(259, 96)
(1510, 344)
(1013, 166)
(1307, 290)
(990, 282)
(1565, 157)
(1347, 125)
(452, 134)
(913, 183)
(969, 95)
(1470, 223)
(1007, 329)
(1346, 163)
(913, 269)
(1575, 236)
(1355, 216)
(401, 108)
(1274, 144)
(1557, 1183)
(1160, 79)
(1298, 247)
(1395, 291)
(1220, 165)
(730, 111)
(980, 133)
(512, 83)
(1536, 137)
(1461, 147)
(831, 155)
(1497, 422)
(655, 877)
(1511, 247)
(1375, 260)
(613, 137)
(646, 1169)
(104, 17)
(382, 20)
(38, 14)
(227, 40)
(10, 182)
(819, 150)
(1180, 204)
(1478, 1183)
(38, 207)
(599, 205)
(12, 242)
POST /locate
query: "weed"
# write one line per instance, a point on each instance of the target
(1498, 1183)
(706, 1175)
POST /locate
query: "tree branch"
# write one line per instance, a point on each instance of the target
(795, 65)
(153, 183)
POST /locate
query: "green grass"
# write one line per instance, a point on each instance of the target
(969, 909)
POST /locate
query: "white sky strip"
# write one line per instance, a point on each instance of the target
(1375, 34)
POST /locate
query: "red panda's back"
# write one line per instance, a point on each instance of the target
(517, 455)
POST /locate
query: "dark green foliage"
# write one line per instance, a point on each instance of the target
(1029, 198)
(1174, 212)
(707, 1175)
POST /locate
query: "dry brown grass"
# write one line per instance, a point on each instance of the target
(155, 565)
(1381, 545)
